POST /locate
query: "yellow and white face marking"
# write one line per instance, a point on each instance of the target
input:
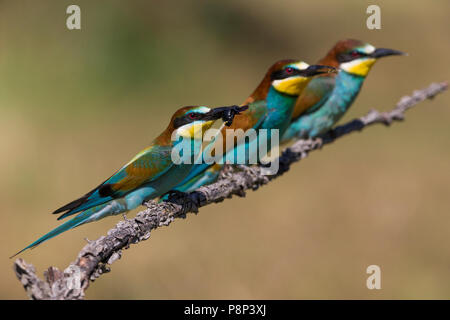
(293, 85)
(194, 130)
(299, 65)
(367, 49)
(361, 66)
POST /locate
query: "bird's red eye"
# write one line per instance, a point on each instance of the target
(354, 53)
(192, 116)
(289, 70)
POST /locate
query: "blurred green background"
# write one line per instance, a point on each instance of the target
(76, 105)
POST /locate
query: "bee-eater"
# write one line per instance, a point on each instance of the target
(270, 106)
(326, 98)
(150, 174)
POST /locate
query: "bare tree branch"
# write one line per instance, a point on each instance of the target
(94, 258)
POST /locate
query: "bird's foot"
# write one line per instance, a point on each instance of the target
(189, 202)
(329, 136)
(332, 133)
(284, 162)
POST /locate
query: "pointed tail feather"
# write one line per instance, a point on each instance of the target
(92, 214)
(71, 205)
(76, 205)
(93, 201)
(76, 221)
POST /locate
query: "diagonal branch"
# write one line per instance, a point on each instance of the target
(94, 258)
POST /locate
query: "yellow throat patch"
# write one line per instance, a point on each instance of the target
(194, 130)
(360, 67)
(292, 86)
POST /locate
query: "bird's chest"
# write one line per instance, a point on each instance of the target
(280, 108)
(347, 89)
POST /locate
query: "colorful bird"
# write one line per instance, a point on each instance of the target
(150, 174)
(326, 98)
(270, 107)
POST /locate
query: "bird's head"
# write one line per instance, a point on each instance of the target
(287, 76)
(356, 57)
(192, 121)
(292, 76)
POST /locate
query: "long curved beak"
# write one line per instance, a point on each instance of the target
(316, 69)
(383, 52)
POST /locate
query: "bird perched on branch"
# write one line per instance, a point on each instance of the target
(326, 98)
(150, 174)
(270, 107)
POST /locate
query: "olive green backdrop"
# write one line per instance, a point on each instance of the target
(76, 105)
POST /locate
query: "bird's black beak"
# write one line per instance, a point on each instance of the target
(383, 52)
(225, 113)
(316, 69)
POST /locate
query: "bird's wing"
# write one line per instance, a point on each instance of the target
(145, 167)
(314, 96)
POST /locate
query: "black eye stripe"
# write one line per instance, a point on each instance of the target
(188, 118)
(350, 56)
(283, 73)
(178, 122)
(194, 115)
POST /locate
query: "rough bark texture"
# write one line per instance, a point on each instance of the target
(93, 260)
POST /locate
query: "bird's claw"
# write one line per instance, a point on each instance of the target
(228, 115)
(189, 202)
